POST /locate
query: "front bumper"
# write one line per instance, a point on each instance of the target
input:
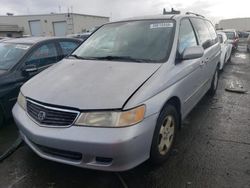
(109, 149)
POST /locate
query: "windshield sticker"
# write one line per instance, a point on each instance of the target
(161, 25)
(23, 47)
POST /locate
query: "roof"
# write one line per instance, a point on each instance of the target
(54, 14)
(32, 40)
(228, 30)
(161, 16)
(220, 33)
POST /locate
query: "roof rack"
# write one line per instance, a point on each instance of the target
(171, 12)
(188, 13)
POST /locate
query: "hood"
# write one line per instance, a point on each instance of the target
(87, 84)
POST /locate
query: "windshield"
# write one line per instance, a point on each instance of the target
(10, 54)
(230, 35)
(147, 41)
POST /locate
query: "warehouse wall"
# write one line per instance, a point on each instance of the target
(75, 23)
(240, 24)
(23, 21)
(82, 23)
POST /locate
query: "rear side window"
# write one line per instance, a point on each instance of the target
(203, 32)
(44, 55)
(67, 47)
(187, 36)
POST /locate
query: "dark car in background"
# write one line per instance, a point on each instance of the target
(21, 59)
(82, 36)
(233, 37)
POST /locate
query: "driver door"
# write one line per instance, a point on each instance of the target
(41, 58)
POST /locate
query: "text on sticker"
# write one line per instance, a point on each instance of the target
(161, 25)
(23, 47)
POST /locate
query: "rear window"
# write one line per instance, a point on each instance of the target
(67, 47)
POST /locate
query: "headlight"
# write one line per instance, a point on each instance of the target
(21, 100)
(112, 119)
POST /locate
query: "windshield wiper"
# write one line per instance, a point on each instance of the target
(80, 57)
(76, 56)
(120, 58)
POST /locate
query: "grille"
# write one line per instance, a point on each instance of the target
(61, 153)
(50, 116)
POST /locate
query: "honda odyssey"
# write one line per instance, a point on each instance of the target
(121, 96)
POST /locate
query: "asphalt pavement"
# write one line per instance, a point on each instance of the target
(212, 150)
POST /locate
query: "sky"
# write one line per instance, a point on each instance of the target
(120, 9)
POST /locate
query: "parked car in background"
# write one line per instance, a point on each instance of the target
(22, 58)
(248, 43)
(226, 49)
(243, 34)
(3, 39)
(119, 99)
(233, 37)
(82, 36)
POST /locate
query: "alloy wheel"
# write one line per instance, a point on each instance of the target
(166, 135)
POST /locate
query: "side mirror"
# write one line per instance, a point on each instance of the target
(192, 53)
(29, 69)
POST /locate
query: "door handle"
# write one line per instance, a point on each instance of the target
(206, 60)
(202, 63)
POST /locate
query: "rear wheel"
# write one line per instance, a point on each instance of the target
(164, 134)
(214, 83)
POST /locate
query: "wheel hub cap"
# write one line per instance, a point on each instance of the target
(166, 135)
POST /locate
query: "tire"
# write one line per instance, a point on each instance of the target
(214, 83)
(229, 59)
(224, 63)
(164, 134)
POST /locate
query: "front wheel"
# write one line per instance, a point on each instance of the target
(164, 134)
(214, 83)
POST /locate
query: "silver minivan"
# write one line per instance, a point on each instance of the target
(121, 96)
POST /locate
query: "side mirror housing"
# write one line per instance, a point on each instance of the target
(29, 69)
(192, 53)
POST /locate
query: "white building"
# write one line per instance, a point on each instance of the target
(51, 24)
(240, 24)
